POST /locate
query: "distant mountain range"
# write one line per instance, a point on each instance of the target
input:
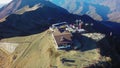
(102, 10)
(106, 10)
(26, 17)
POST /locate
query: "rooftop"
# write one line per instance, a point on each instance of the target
(62, 37)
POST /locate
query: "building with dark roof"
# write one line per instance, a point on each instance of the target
(63, 39)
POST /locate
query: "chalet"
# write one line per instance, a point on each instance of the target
(63, 39)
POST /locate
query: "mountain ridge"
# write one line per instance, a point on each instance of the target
(35, 18)
(100, 7)
(16, 5)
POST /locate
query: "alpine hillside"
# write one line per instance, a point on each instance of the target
(105, 10)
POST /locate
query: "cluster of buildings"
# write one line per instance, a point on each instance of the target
(77, 27)
(63, 34)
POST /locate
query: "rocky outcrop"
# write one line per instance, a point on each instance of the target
(95, 36)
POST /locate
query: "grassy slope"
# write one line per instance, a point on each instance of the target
(4, 59)
(82, 58)
(35, 51)
(37, 54)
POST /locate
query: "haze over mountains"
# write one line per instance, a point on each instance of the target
(107, 10)
(4, 2)
(1, 5)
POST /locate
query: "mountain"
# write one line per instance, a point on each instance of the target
(22, 16)
(21, 6)
(25, 41)
(103, 10)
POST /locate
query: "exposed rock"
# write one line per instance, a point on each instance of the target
(94, 36)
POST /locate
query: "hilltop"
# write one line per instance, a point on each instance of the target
(33, 51)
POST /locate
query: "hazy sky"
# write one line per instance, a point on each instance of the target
(3, 2)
